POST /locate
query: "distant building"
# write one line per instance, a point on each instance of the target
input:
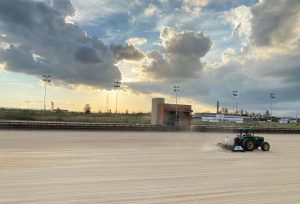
(58, 110)
(287, 120)
(215, 118)
(165, 114)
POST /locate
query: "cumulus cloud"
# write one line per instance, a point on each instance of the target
(151, 10)
(240, 19)
(276, 23)
(163, 1)
(180, 57)
(92, 11)
(41, 42)
(284, 68)
(193, 6)
(136, 41)
(64, 6)
(126, 51)
(254, 80)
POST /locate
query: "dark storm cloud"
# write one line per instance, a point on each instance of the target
(64, 6)
(188, 44)
(285, 68)
(25, 14)
(87, 55)
(126, 51)
(19, 58)
(180, 57)
(254, 80)
(275, 22)
(41, 42)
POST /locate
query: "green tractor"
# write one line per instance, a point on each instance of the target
(246, 141)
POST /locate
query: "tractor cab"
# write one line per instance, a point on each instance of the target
(247, 132)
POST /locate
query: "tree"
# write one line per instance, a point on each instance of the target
(246, 113)
(241, 112)
(52, 105)
(224, 111)
(87, 109)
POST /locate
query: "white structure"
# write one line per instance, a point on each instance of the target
(155, 109)
(221, 118)
(287, 120)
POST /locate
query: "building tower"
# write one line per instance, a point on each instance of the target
(155, 110)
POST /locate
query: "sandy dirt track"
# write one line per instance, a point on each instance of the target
(115, 167)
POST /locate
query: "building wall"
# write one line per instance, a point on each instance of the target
(222, 117)
(155, 110)
(210, 119)
(167, 115)
(283, 121)
(287, 120)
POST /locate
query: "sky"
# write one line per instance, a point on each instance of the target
(207, 47)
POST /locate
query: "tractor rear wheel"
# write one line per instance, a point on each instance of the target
(249, 145)
(265, 146)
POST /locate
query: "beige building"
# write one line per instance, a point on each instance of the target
(170, 114)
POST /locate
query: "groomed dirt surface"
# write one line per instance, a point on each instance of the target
(144, 167)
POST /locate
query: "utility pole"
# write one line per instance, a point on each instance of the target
(46, 80)
(117, 84)
(234, 94)
(176, 89)
(272, 97)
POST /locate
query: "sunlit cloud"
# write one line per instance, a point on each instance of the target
(208, 47)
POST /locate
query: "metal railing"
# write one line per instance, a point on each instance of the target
(206, 128)
(17, 124)
(72, 125)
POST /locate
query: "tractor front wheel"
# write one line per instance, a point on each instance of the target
(249, 145)
(265, 146)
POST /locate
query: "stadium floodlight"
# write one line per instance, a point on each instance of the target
(272, 97)
(176, 90)
(46, 80)
(117, 84)
(234, 95)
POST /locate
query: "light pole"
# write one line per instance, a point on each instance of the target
(46, 80)
(176, 89)
(107, 103)
(117, 84)
(272, 97)
(234, 94)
